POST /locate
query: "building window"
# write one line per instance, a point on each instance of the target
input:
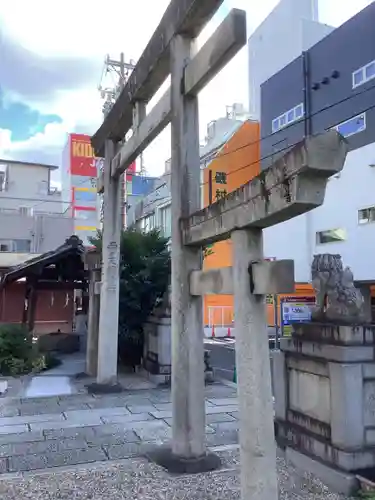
(2, 181)
(363, 74)
(275, 125)
(352, 126)
(366, 215)
(148, 223)
(330, 236)
(17, 245)
(290, 116)
(221, 177)
(27, 211)
(165, 221)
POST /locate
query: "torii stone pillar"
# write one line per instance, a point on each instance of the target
(106, 380)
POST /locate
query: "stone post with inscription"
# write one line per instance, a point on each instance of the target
(109, 294)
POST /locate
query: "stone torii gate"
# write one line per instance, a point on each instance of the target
(293, 185)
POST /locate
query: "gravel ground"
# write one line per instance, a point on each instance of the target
(139, 479)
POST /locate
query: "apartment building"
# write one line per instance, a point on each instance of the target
(31, 211)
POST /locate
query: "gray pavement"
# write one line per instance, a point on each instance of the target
(87, 447)
(57, 431)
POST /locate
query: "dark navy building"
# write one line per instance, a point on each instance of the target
(330, 85)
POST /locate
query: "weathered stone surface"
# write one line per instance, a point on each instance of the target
(221, 409)
(146, 408)
(65, 406)
(113, 429)
(86, 420)
(124, 450)
(223, 401)
(98, 412)
(23, 437)
(369, 402)
(48, 417)
(127, 419)
(40, 447)
(39, 409)
(69, 457)
(161, 398)
(220, 391)
(113, 439)
(219, 417)
(226, 426)
(107, 403)
(152, 430)
(9, 411)
(222, 438)
(162, 414)
(70, 432)
(76, 398)
(337, 299)
(13, 429)
(209, 429)
(163, 406)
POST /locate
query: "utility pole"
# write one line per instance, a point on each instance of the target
(122, 70)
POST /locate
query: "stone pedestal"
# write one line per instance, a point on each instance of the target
(324, 381)
(157, 349)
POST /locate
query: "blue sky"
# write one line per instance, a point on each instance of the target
(51, 66)
(22, 120)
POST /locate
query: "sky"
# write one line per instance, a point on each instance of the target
(51, 62)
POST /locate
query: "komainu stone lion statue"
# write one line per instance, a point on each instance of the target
(336, 296)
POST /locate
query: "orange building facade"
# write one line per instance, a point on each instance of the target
(236, 164)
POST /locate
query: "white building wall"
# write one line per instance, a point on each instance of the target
(352, 190)
(290, 28)
(35, 234)
(27, 185)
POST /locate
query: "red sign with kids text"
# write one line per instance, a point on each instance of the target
(82, 159)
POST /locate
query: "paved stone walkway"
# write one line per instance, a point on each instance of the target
(39, 433)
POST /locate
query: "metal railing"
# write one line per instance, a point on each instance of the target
(220, 316)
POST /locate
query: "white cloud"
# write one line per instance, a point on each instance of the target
(83, 29)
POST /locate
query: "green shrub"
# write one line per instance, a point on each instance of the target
(144, 278)
(44, 362)
(16, 350)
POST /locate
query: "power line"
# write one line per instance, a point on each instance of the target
(280, 151)
(287, 147)
(258, 141)
(40, 201)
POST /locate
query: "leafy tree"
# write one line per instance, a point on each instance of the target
(144, 278)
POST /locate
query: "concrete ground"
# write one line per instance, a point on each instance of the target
(81, 446)
(76, 445)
